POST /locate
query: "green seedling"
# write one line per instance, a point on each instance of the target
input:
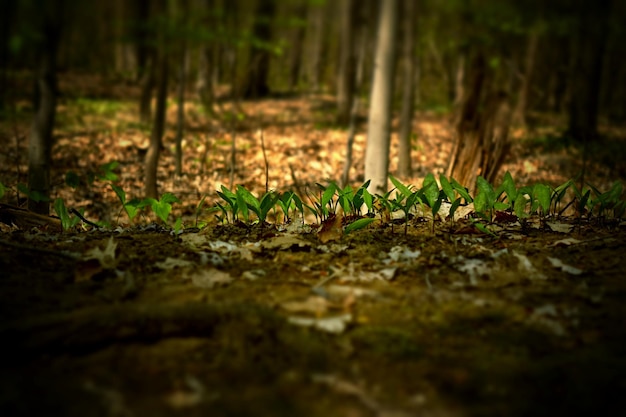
(67, 221)
(405, 200)
(36, 196)
(289, 201)
(432, 196)
(231, 204)
(131, 207)
(246, 201)
(542, 198)
(163, 207)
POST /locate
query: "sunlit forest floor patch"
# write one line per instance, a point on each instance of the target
(267, 320)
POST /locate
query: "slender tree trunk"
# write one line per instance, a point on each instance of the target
(519, 115)
(147, 86)
(377, 150)
(317, 14)
(354, 113)
(40, 141)
(255, 84)
(8, 8)
(408, 95)
(295, 61)
(347, 59)
(152, 156)
(180, 125)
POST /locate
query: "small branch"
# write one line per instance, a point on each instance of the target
(267, 165)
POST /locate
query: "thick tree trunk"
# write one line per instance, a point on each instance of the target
(377, 150)
(408, 94)
(40, 141)
(482, 129)
(152, 156)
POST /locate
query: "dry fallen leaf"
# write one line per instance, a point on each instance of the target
(331, 229)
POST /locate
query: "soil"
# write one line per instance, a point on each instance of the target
(266, 320)
(235, 320)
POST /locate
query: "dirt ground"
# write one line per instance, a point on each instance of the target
(234, 320)
(229, 321)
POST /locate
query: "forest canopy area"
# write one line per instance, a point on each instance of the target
(312, 207)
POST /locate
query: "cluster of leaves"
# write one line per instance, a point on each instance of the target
(488, 201)
(240, 205)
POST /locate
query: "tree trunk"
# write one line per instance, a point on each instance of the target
(408, 95)
(519, 115)
(295, 61)
(152, 156)
(586, 70)
(347, 59)
(255, 83)
(377, 150)
(40, 141)
(180, 124)
(147, 86)
(482, 129)
(7, 16)
(317, 17)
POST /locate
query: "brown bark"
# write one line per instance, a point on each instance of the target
(347, 59)
(482, 129)
(408, 95)
(40, 141)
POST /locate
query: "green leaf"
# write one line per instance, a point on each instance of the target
(72, 179)
(107, 173)
(368, 200)
(447, 187)
(406, 191)
(484, 229)
(542, 193)
(430, 189)
(243, 207)
(2, 190)
(508, 184)
(480, 203)
(169, 198)
(358, 224)
(461, 190)
(121, 194)
(61, 211)
(484, 187)
(328, 194)
(454, 206)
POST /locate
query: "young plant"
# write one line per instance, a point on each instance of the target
(404, 200)
(231, 205)
(246, 201)
(163, 206)
(67, 221)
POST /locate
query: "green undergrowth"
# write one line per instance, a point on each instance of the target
(439, 199)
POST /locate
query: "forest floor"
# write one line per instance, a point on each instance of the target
(266, 320)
